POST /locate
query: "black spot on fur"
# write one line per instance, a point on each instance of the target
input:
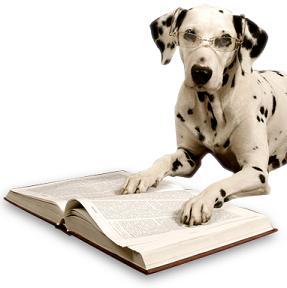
(218, 204)
(258, 118)
(247, 43)
(210, 97)
(188, 158)
(160, 45)
(209, 107)
(273, 105)
(274, 161)
(154, 30)
(237, 22)
(253, 28)
(168, 21)
(222, 193)
(213, 121)
(225, 79)
(189, 111)
(284, 161)
(262, 178)
(262, 110)
(261, 37)
(266, 113)
(226, 143)
(160, 31)
(239, 56)
(170, 45)
(233, 81)
(257, 168)
(255, 97)
(176, 164)
(201, 137)
(190, 154)
(179, 116)
(226, 199)
(201, 96)
(180, 18)
(220, 11)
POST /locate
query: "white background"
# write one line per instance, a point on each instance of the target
(83, 91)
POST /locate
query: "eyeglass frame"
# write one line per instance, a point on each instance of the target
(238, 41)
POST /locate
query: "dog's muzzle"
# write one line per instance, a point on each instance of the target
(200, 74)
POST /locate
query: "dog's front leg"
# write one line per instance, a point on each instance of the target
(182, 163)
(250, 180)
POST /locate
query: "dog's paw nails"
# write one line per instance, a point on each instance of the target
(123, 191)
(196, 211)
(155, 184)
(139, 183)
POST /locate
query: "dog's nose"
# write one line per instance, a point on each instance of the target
(200, 74)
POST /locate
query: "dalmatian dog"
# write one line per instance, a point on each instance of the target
(224, 107)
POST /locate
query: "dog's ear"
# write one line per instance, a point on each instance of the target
(254, 39)
(162, 31)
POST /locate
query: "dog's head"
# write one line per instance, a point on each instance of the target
(209, 40)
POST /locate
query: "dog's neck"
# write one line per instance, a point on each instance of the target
(217, 103)
(234, 73)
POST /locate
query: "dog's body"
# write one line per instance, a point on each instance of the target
(238, 114)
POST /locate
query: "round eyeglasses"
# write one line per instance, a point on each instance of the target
(222, 43)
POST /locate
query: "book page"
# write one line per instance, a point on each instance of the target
(89, 187)
(137, 218)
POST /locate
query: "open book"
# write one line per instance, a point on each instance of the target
(142, 230)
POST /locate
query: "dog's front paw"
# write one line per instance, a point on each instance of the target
(140, 182)
(197, 210)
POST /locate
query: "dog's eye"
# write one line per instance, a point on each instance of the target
(189, 35)
(223, 41)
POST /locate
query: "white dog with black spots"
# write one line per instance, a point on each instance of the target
(224, 107)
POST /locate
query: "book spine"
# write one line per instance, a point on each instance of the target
(61, 226)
